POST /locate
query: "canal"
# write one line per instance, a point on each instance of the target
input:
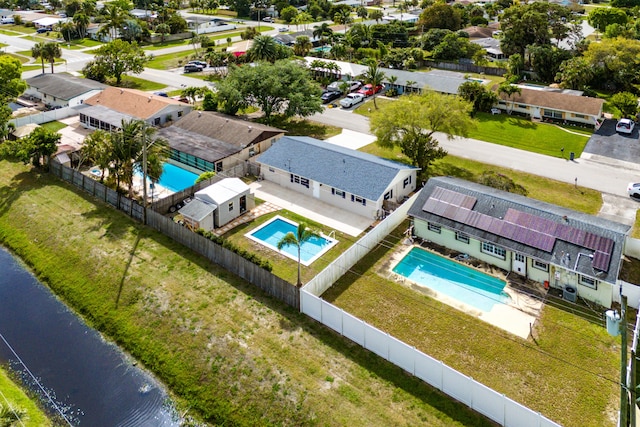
(75, 372)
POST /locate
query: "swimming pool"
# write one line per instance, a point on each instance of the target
(464, 284)
(272, 231)
(174, 177)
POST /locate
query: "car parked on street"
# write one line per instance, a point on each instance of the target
(369, 90)
(351, 99)
(633, 189)
(192, 68)
(201, 64)
(625, 126)
(269, 19)
(329, 96)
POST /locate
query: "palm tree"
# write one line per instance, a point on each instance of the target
(66, 29)
(81, 22)
(509, 89)
(343, 17)
(302, 46)
(114, 19)
(51, 51)
(264, 48)
(303, 234)
(322, 32)
(409, 85)
(374, 76)
(37, 51)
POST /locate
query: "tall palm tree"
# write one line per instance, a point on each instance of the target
(343, 17)
(81, 22)
(114, 19)
(302, 46)
(508, 89)
(322, 32)
(37, 51)
(264, 48)
(51, 51)
(374, 76)
(303, 234)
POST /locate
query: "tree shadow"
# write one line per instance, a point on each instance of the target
(21, 183)
(524, 124)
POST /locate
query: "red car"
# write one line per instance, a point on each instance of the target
(367, 90)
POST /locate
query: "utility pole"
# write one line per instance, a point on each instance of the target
(624, 397)
(144, 180)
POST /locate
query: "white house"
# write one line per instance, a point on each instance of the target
(205, 24)
(217, 204)
(558, 247)
(358, 182)
(62, 89)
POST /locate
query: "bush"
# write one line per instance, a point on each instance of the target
(249, 256)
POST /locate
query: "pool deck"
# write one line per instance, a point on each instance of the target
(516, 317)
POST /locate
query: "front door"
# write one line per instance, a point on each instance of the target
(519, 264)
(536, 113)
(243, 204)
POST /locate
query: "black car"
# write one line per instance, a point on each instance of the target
(329, 96)
(192, 68)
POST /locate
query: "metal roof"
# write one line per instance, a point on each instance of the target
(348, 170)
(197, 210)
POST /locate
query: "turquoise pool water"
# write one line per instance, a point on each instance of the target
(271, 232)
(455, 280)
(174, 178)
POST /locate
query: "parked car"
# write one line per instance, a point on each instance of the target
(368, 89)
(269, 19)
(351, 99)
(633, 189)
(625, 126)
(283, 29)
(198, 63)
(192, 68)
(8, 20)
(162, 94)
(329, 96)
(337, 86)
(42, 30)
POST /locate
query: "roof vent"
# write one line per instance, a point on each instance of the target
(199, 113)
(150, 98)
(121, 91)
(250, 128)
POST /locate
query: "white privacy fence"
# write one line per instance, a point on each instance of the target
(45, 116)
(480, 398)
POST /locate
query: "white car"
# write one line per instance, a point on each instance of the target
(625, 126)
(351, 100)
(633, 189)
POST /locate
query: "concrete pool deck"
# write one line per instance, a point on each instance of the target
(516, 317)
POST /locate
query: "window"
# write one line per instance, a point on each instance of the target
(491, 249)
(337, 192)
(434, 228)
(540, 265)
(579, 116)
(360, 200)
(554, 114)
(461, 237)
(156, 121)
(230, 206)
(518, 257)
(299, 180)
(522, 106)
(406, 182)
(219, 167)
(588, 282)
(179, 113)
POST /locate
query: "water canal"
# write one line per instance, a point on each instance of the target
(68, 364)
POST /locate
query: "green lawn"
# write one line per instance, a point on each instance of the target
(15, 398)
(170, 60)
(81, 44)
(54, 126)
(20, 29)
(140, 84)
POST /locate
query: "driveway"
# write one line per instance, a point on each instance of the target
(606, 142)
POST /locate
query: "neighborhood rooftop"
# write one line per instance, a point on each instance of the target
(584, 243)
(556, 100)
(62, 85)
(131, 102)
(342, 168)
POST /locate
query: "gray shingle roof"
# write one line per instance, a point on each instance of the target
(495, 203)
(348, 170)
(204, 147)
(62, 85)
(197, 210)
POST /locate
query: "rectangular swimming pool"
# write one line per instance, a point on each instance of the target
(174, 178)
(272, 231)
(455, 280)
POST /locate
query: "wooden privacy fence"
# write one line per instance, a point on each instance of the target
(252, 273)
(467, 68)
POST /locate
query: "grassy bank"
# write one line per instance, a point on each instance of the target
(228, 352)
(13, 399)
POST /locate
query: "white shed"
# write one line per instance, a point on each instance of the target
(217, 204)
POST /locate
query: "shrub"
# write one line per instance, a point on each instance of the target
(249, 256)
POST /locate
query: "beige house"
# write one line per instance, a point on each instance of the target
(558, 247)
(107, 109)
(544, 102)
(210, 141)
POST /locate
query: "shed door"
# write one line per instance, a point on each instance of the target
(316, 189)
(519, 264)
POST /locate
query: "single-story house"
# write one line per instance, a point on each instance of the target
(107, 109)
(48, 22)
(290, 39)
(544, 102)
(205, 24)
(492, 47)
(62, 89)
(552, 245)
(346, 178)
(210, 141)
(217, 204)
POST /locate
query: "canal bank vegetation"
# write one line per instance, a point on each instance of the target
(16, 408)
(228, 353)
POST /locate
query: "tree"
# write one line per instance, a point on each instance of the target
(546, 61)
(192, 92)
(410, 122)
(362, 12)
(601, 17)
(264, 48)
(302, 46)
(204, 176)
(39, 145)
(11, 86)
(288, 14)
(284, 87)
(441, 15)
(614, 62)
(81, 22)
(51, 51)
(343, 17)
(97, 149)
(302, 18)
(508, 89)
(575, 73)
(376, 15)
(478, 95)
(626, 102)
(67, 29)
(116, 58)
(374, 76)
(322, 32)
(196, 41)
(302, 235)
(114, 17)
(37, 52)
(163, 30)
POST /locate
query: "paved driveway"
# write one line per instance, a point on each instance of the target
(609, 143)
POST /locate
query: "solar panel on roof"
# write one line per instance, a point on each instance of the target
(462, 215)
(484, 221)
(606, 245)
(601, 261)
(429, 204)
(591, 241)
(468, 202)
(495, 226)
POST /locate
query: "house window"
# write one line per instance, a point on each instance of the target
(588, 282)
(219, 167)
(299, 180)
(491, 249)
(554, 114)
(461, 237)
(406, 182)
(540, 265)
(337, 192)
(156, 121)
(230, 206)
(388, 195)
(522, 106)
(434, 228)
(519, 257)
(360, 200)
(579, 116)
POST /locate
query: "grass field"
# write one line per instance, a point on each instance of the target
(13, 399)
(228, 352)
